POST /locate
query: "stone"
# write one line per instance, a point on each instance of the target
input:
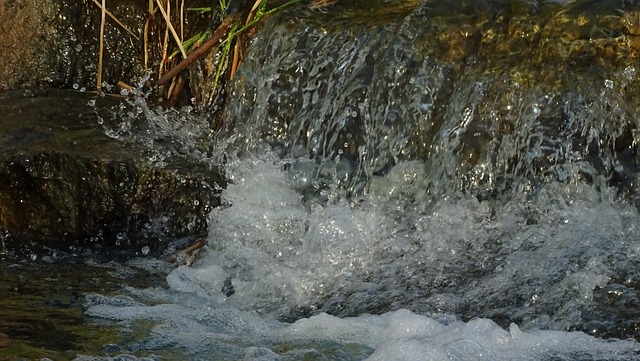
(66, 185)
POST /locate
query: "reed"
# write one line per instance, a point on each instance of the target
(229, 38)
(101, 51)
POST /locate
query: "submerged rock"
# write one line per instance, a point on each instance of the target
(481, 92)
(65, 183)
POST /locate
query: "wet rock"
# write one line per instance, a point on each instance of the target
(64, 183)
(450, 84)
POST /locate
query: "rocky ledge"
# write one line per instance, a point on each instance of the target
(66, 185)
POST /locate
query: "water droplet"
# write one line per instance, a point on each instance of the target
(629, 72)
(536, 110)
(608, 84)
(112, 134)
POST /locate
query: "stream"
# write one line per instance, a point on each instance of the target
(388, 199)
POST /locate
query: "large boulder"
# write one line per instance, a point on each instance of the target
(64, 183)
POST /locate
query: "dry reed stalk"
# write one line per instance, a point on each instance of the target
(116, 20)
(167, 19)
(165, 45)
(237, 48)
(152, 13)
(235, 62)
(182, 21)
(99, 82)
(124, 85)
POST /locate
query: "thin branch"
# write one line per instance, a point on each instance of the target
(116, 19)
(99, 81)
(173, 31)
(201, 50)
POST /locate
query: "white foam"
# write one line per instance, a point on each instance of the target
(386, 253)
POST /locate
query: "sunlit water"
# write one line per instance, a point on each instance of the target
(387, 205)
(367, 220)
(402, 284)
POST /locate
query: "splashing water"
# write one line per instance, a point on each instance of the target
(386, 205)
(422, 272)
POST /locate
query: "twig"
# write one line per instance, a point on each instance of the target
(145, 35)
(196, 245)
(237, 49)
(201, 50)
(173, 31)
(182, 21)
(99, 82)
(116, 20)
(165, 43)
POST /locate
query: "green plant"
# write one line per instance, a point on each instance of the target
(232, 36)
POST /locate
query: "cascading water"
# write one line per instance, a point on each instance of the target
(387, 204)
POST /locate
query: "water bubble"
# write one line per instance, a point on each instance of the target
(112, 134)
(145, 250)
(83, 89)
(536, 110)
(75, 86)
(608, 84)
(629, 72)
(91, 103)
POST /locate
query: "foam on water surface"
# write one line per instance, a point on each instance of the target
(383, 277)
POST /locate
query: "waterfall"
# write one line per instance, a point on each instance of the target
(362, 99)
(420, 180)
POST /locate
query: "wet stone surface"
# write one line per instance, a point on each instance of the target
(65, 183)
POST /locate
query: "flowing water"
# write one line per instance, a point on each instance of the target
(385, 204)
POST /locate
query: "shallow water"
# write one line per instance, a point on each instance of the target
(41, 312)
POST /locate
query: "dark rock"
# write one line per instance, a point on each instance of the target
(64, 183)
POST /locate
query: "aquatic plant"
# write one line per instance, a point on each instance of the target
(235, 26)
(230, 34)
